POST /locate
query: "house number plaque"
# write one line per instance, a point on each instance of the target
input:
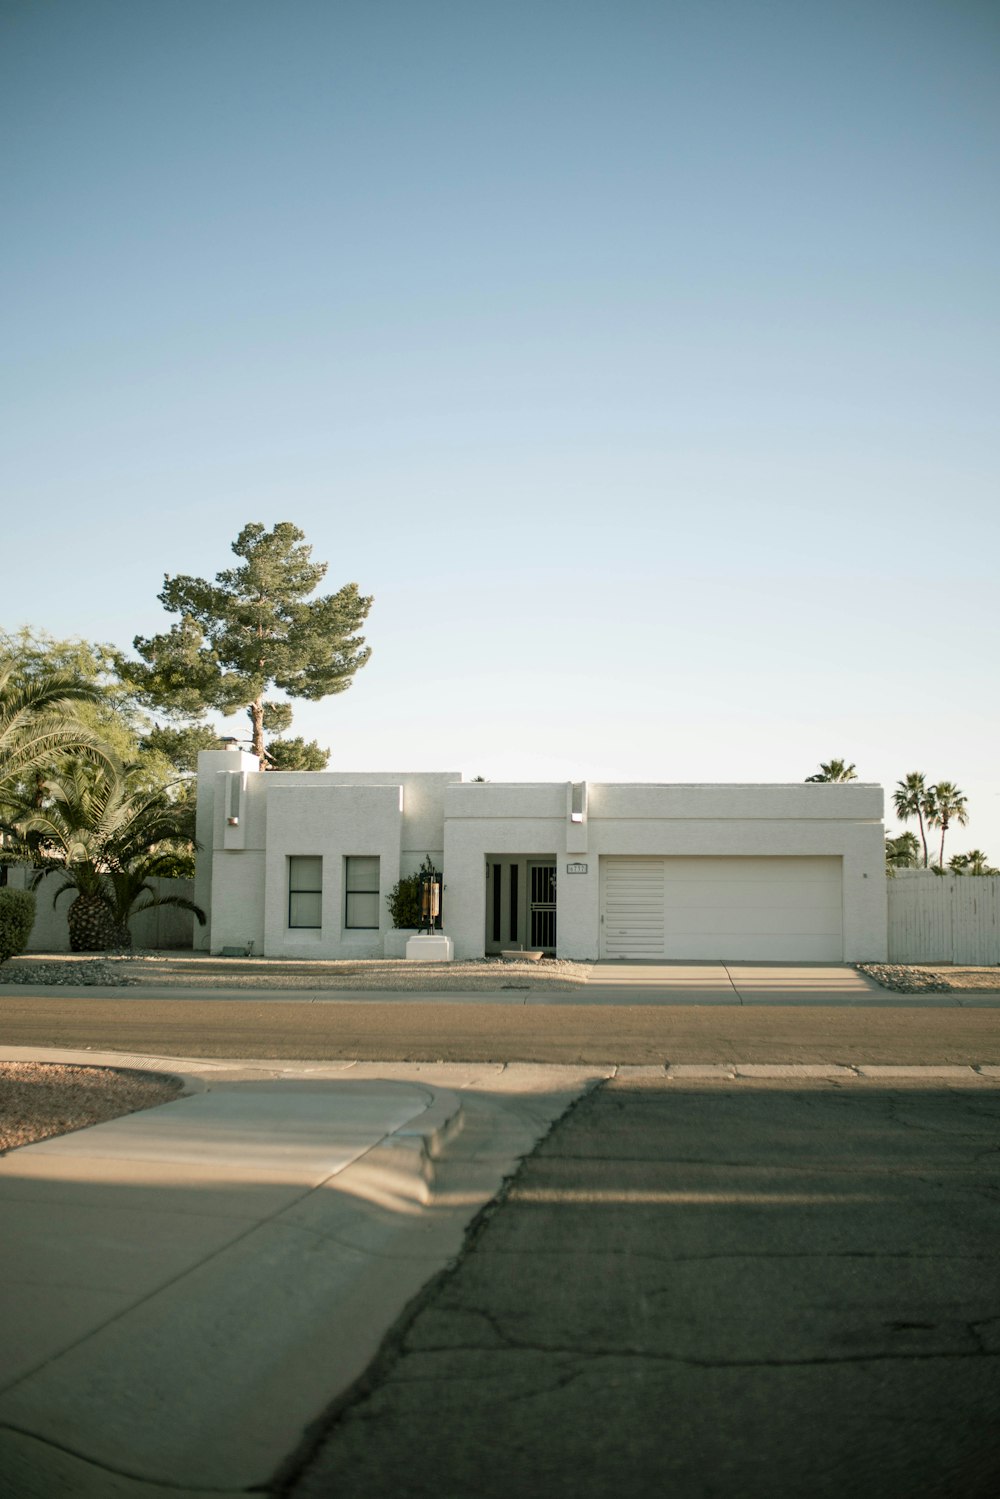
(576, 868)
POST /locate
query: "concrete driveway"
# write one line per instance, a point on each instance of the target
(728, 984)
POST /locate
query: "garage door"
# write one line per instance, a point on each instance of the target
(754, 908)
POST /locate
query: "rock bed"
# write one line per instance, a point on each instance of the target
(42, 1099)
(86, 971)
(906, 980)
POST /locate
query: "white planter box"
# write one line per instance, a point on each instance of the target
(429, 947)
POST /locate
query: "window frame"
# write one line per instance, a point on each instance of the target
(305, 926)
(349, 890)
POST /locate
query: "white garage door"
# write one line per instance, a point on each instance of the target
(765, 908)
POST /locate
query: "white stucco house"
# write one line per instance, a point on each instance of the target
(300, 865)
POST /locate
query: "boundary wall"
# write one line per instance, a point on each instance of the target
(937, 918)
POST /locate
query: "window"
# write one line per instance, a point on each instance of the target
(361, 884)
(305, 890)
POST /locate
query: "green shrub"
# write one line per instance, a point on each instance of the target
(403, 899)
(17, 917)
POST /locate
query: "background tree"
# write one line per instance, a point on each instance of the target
(252, 630)
(179, 745)
(288, 754)
(974, 862)
(39, 724)
(834, 770)
(107, 706)
(948, 806)
(914, 798)
(296, 754)
(902, 852)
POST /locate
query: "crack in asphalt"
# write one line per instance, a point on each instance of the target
(645, 1356)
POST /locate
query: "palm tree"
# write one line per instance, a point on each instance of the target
(974, 862)
(38, 724)
(948, 807)
(914, 798)
(108, 835)
(902, 852)
(834, 770)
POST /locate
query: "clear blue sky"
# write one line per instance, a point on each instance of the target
(640, 358)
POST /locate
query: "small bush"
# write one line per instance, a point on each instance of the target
(403, 899)
(17, 917)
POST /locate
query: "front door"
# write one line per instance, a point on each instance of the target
(520, 903)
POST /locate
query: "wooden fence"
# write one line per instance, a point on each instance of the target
(944, 918)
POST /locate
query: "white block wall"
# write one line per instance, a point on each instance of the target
(165, 927)
(397, 817)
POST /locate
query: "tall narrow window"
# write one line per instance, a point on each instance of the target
(361, 884)
(305, 890)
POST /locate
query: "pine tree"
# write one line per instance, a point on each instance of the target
(253, 629)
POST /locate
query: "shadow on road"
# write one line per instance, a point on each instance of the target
(750, 1290)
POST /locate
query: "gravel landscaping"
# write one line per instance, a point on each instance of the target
(922, 978)
(905, 979)
(104, 971)
(41, 1099)
(200, 971)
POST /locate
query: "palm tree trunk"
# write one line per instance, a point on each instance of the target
(923, 834)
(944, 829)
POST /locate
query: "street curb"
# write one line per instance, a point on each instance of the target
(944, 1072)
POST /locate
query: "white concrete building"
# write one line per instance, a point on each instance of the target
(300, 865)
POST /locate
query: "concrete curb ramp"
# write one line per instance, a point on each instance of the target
(185, 1289)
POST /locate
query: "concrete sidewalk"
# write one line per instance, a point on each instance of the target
(185, 1289)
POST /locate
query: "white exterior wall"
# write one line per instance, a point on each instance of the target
(396, 816)
(843, 821)
(211, 764)
(404, 817)
(334, 822)
(483, 819)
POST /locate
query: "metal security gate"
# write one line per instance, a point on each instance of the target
(520, 902)
(543, 905)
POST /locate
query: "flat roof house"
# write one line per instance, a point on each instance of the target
(300, 864)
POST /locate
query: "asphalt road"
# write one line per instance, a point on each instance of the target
(706, 1291)
(413, 1031)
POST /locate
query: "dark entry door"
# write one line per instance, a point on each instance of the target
(520, 903)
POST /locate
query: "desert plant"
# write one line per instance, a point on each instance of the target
(107, 837)
(403, 899)
(17, 917)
